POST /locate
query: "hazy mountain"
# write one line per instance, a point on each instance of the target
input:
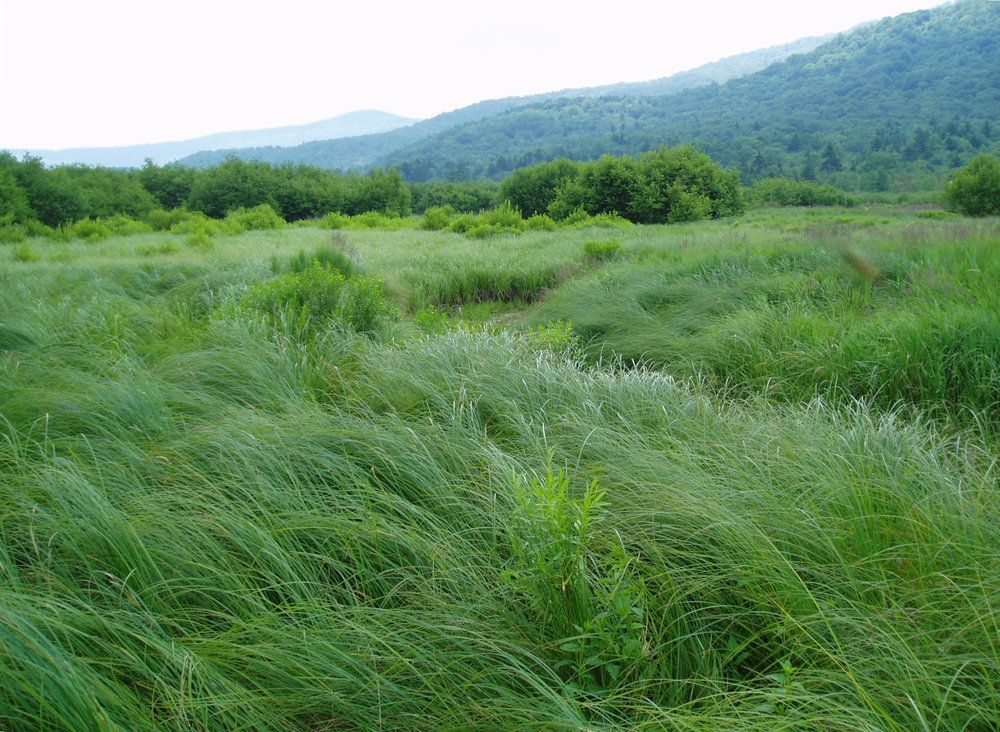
(363, 152)
(345, 125)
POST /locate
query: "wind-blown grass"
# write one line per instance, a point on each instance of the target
(899, 316)
(209, 522)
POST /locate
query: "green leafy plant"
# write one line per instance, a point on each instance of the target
(975, 189)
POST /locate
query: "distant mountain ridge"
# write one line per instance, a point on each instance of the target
(363, 152)
(351, 124)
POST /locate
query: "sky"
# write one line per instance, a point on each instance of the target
(81, 73)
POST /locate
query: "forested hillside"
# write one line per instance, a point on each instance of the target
(894, 104)
(364, 151)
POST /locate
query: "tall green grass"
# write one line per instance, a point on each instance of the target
(209, 521)
(892, 315)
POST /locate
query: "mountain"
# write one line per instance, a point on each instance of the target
(345, 125)
(363, 152)
(912, 95)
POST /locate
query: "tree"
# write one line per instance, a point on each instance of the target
(975, 189)
(533, 189)
(831, 159)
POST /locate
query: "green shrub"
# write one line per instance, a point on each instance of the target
(462, 224)
(540, 222)
(163, 220)
(687, 205)
(975, 189)
(788, 192)
(364, 307)
(376, 220)
(335, 220)
(437, 218)
(199, 240)
(121, 225)
(258, 218)
(609, 221)
(556, 335)
(483, 231)
(196, 223)
(580, 219)
(503, 218)
(602, 251)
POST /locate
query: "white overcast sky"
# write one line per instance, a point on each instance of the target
(115, 72)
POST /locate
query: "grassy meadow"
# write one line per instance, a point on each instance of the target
(733, 474)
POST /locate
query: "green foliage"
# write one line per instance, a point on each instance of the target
(602, 251)
(94, 230)
(381, 191)
(232, 185)
(892, 105)
(170, 185)
(466, 196)
(788, 192)
(162, 220)
(540, 222)
(532, 189)
(253, 219)
(371, 220)
(14, 206)
(668, 185)
(312, 300)
(437, 218)
(975, 189)
(557, 336)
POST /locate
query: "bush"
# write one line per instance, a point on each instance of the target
(335, 220)
(503, 218)
(541, 222)
(93, 230)
(788, 192)
(260, 217)
(196, 223)
(437, 218)
(602, 251)
(975, 189)
(199, 240)
(162, 220)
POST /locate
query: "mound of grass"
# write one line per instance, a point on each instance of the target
(602, 251)
(310, 300)
(888, 323)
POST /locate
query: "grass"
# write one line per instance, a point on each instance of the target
(209, 521)
(892, 314)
